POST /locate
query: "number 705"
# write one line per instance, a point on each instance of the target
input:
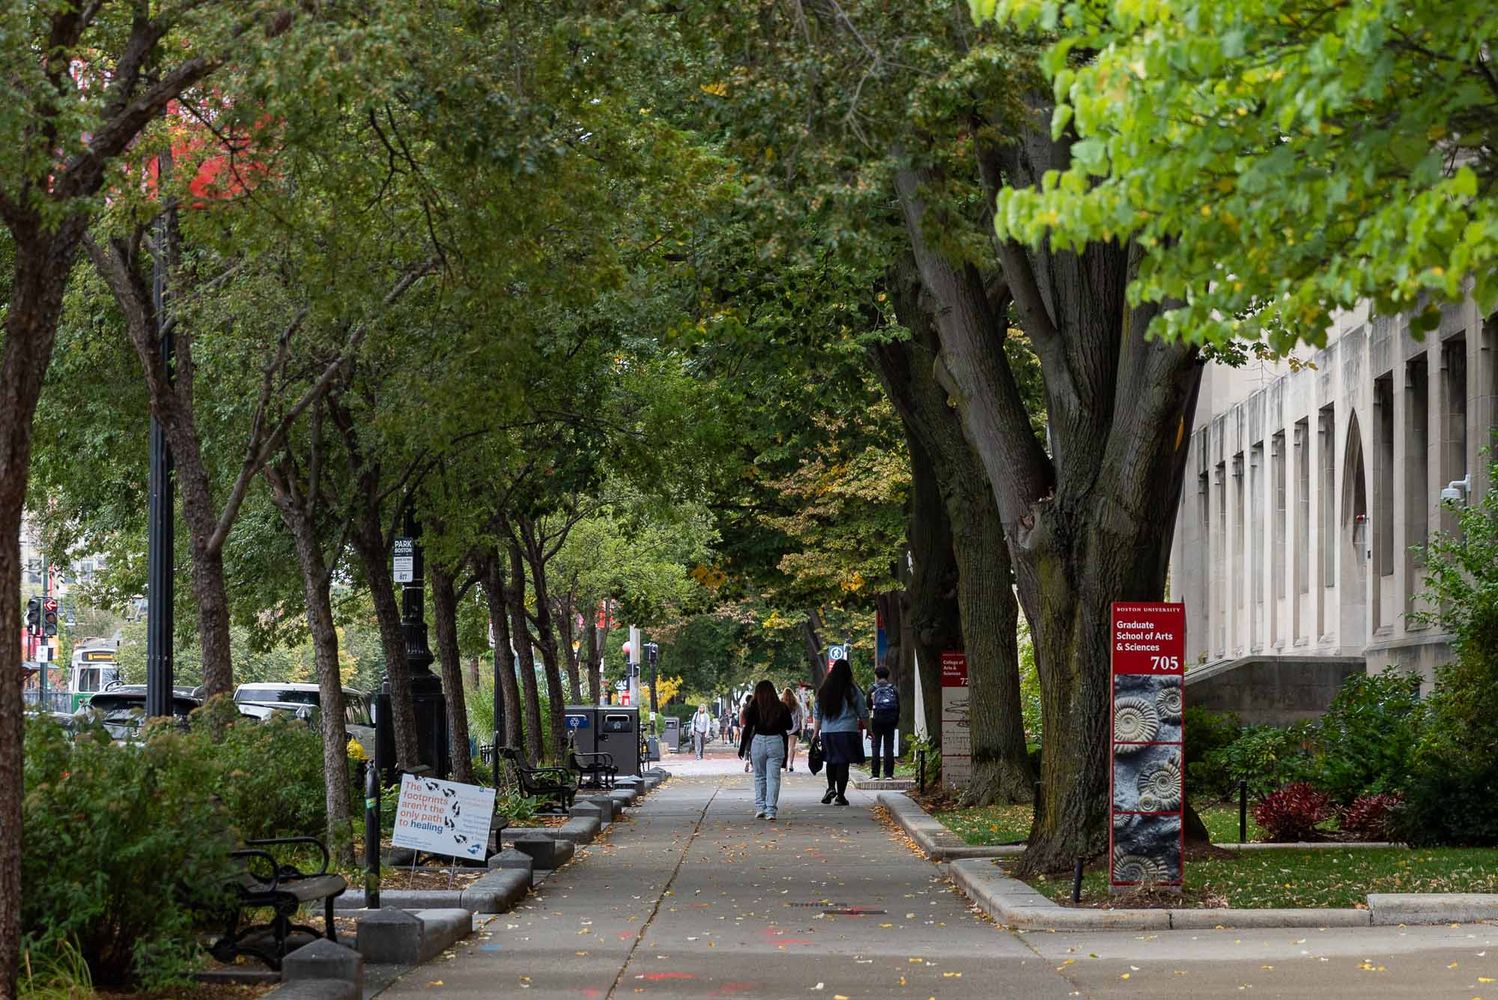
(1165, 663)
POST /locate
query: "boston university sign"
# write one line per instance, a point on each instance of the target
(1148, 793)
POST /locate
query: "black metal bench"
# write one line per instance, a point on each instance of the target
(593, 770)
(265, 882)
(554, 784)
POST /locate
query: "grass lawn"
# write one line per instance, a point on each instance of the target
(1334, 878)
(1007, 824)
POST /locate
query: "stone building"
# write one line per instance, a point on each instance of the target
(1307, 495)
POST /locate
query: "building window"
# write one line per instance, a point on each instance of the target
(1417, 498)
(1257, 502)
(1221, 534)
(1240, 551)
(1454, 436)
(1383, 478)
(1279, 543)
(1326, 495)
(1302, 550)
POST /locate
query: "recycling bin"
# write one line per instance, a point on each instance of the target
(618, 733)
(582, 727)
(671, 739)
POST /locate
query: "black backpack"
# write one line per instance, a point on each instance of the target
(885, 701)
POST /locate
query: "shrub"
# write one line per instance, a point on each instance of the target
(268, 775)
(124, 850)
(1292, 813)
(1365, 742)
(1370, 817)
(1455, 766)
(1267, 757)
(1207, 732)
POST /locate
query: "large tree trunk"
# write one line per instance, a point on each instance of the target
(524, 652)
(571, 656)
(44, 259)
(989, 614)
(492, 577)
(1089, 523)
(891, 606)
(556, 695)
(368, 539)
(934, 621)
(445, 613)
(316, 579)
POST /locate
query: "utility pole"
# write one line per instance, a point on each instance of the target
(161, 528)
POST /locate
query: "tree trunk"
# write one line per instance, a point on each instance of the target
(504, 657)
(445, 614)
(567, 629)
(524, 653)
(471, 673)
(811, 632)
(896, 657)
(593, 646)
(316, 580)
(368, 539)
(556, 695)
(1089, 523)
(44, 259)
(989, 614)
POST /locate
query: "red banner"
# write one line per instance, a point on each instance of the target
(954, 669)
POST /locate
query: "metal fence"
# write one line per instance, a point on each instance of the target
(56, 701)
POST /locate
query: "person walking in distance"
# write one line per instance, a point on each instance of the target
(744, 731)
(788, 699)
(767, 723)
(884, 716)
(702, 725)
(839, 714)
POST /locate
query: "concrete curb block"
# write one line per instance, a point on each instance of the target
(511, 859)
(404, 937)
(1012, 902)
(1393, 908)
(580, 830)
(323, 961)
(315, 989)
(609, 809)
(547, 852)
(403, 899)
(938, 843)
(497, 892)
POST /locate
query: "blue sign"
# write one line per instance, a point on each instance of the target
(579, 722)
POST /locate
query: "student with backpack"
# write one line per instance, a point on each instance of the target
(884, 716)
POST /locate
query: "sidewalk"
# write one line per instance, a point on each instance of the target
(692, 897)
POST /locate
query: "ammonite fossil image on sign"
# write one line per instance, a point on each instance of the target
(1148, 850)
(1168, 701)
(1159, 784)
(1136, 868)
(1135, 720)
(1162, 702)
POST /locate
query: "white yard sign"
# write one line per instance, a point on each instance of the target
(443, 817)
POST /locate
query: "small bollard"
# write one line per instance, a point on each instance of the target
(1076, 882)
(1242, 812)
(371, 836)
(920, 763)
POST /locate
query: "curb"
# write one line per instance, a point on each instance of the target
(1015, 904)
(936, 841)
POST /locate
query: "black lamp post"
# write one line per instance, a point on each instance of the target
(432, 743)
(160, 527)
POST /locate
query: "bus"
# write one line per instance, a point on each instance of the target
(93, 669)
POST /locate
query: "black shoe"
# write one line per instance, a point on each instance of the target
(827, 799)
(842, 800)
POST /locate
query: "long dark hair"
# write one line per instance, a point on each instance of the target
(765, 701)
(836, 690)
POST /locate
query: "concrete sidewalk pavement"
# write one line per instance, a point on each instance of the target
(692, 897)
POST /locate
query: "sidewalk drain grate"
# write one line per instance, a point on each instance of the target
(818, 903)
(854, 911)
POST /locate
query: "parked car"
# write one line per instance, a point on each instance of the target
(122, 708)
(263, 700)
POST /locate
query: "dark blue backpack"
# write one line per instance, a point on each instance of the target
(886, 704)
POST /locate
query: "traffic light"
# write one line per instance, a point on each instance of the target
(652, 653)
(34, 616)
(49, 616)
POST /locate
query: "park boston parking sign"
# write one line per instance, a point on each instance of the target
(1148, 789)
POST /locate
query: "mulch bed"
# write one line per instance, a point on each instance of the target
(197, 991)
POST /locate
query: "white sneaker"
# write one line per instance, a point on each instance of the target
(759, 815)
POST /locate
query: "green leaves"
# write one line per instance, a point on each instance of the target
(1279, 161)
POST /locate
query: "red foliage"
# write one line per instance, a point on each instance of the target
(1371, 817)
(1292, 813)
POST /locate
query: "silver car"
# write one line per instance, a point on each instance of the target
(262, 700)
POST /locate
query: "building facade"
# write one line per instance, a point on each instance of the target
(1309, 491)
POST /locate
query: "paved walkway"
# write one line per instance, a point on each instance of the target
(692, 897)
